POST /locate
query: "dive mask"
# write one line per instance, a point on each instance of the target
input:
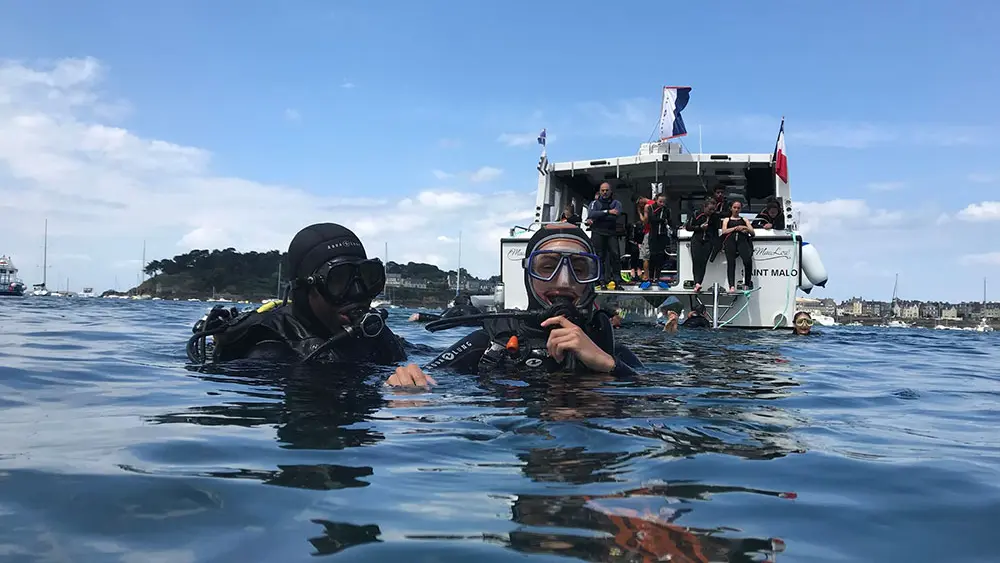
(350, 279)
(544, 265)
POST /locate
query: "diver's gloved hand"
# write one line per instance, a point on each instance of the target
(410, 376)
(568, 338)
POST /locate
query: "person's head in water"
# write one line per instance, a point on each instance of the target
(735, 208)
(560, 266)
(333, 280)
(803, 322)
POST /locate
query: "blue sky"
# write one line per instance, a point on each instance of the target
(194, 124)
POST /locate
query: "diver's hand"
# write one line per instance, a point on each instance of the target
(567, 337)
(410, 376)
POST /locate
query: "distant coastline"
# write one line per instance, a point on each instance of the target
(254, 276)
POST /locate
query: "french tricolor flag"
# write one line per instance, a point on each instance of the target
(675, 99)
(780, 156)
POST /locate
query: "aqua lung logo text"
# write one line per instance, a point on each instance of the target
(450, 354)
(343, 244)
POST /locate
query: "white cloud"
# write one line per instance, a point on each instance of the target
(485, 174)
(104, 189)
(840, 214)
(519, 139)
(293, 115)
(987, 258)
(441, 175)
(983, 211)
(443, 238)
(886, 186)
(347, 85)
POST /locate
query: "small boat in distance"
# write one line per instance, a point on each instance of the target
(10, 284)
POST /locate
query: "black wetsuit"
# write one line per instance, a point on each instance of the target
(485, 351)
(696, 321)
(703, 241)
(280, 334)
(660, 231)
(634, 236)
(720, 213)
(572, 219)
(777, 222)
(738, 243)
(604, 234)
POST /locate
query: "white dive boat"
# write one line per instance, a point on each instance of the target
(87, 292)
(687, 179)
(10, 284)
(823, 320)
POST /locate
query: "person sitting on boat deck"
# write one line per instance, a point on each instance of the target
(802, 323)
(696, 318)
(770, 217)
(603, 221)
(570, 215)
(660, 231)
(462, 305)
(737, 239)
(565, 331)
(703, 241)
(332, 283)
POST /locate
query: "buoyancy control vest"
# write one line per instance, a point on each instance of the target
(517, 345)
(236, 334)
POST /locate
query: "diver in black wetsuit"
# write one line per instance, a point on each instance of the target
(737, 239)
(332, 283)
(703, 241)
(461, 306)
(562, 329)
(697, 318)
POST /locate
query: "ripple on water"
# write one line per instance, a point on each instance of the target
(849, 445)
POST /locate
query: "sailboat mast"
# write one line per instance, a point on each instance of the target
(142, 267)
(45, 254)
(458, 276)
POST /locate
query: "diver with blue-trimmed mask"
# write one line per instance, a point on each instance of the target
(562, 329)
(331, 283)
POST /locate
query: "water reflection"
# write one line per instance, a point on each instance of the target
(698, 397)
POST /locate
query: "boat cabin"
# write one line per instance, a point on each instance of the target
(687, 179)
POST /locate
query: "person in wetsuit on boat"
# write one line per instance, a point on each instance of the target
(770, 217)
(462, 305)
(562, 330)
(737, 240)
(703, 241)
(331, 282)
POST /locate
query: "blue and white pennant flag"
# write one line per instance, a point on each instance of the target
(675, 99)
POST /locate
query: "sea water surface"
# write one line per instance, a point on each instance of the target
(854, 444)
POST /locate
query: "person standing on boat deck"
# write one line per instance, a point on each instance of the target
(770, 217)
(703, 241)
(633, 242)
(603, 221)
(737, 239)
(720, 211)
(660, 229)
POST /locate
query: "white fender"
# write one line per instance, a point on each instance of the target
(812, 266)
(804, 284)
(779, 320)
